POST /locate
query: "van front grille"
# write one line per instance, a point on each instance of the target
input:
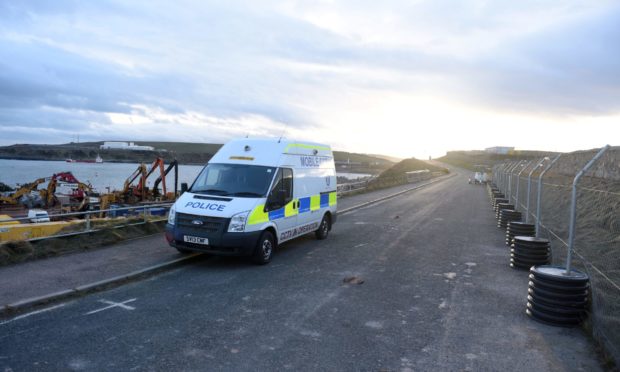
(190, 223)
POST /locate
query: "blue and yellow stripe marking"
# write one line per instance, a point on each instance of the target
(324, 200)
(304, 205)
(277, 214)
(307, 204)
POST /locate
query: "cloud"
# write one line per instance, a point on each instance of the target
(567, 69)
(214, 70)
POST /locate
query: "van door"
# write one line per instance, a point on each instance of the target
(307, 193)
(281, 205)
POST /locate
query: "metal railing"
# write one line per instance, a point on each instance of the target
(577, 207)
(91, 221)
(135, 215)
(349, 187)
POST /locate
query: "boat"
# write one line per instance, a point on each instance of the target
(98, 159)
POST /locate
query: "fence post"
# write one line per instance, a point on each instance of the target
(144, 211)
(497, 175)
(529, 188)
(87, 221)
(519, 182)
(573, 207)
(510, 179)
(539, 195)
(504, 175)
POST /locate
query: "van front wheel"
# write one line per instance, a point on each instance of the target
(324, 227)
(264, 248)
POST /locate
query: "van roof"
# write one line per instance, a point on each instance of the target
(36, 211)
(267, 151)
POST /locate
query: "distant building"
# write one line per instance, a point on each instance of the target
(125, 146)
(499, 150)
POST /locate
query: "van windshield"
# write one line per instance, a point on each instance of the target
(246, 181)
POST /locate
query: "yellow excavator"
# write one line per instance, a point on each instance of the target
(80, 192)
(13, 199)
(135, 188)
(127, 194)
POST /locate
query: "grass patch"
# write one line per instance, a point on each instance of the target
(15, 252)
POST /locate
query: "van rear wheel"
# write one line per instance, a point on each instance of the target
(324, 228)
(264, 248)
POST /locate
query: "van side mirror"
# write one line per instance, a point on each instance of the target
(183, 187)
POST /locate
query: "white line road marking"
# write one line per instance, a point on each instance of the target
(32, 313)
(113, 304)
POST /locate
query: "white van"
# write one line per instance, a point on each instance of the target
(253, 195)
(38, 216)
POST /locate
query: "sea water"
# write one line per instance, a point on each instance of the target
(103, 177)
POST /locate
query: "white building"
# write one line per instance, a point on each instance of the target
(499, 150)
(125, 146)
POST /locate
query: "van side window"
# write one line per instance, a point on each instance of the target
(287, 183)
(282, 191)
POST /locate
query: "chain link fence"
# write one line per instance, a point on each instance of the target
(597, 225)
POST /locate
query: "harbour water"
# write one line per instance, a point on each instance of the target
(100, 175)
(103, 177)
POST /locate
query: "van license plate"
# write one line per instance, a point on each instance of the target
(195, 240)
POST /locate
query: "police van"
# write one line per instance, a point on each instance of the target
(253, 195)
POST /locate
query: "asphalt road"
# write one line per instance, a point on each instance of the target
(437, 294)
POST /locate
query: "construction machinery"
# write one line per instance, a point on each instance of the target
(130, 193)
(162, 179)
(77, 190)
(141, 192)
(135, 189)
(30, 196)
(22, 193)
(133, 193)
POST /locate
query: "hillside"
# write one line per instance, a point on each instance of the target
(360, 163)
(400, 169)
(184, 152)
(474, 160)
(386, 157)
(397, 173)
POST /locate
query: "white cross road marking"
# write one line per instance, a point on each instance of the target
(32, 313)
(113, 304)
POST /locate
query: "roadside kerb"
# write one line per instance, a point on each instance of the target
(394, 195)
(22, 305)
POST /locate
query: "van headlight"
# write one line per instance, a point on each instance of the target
(237, 222)
(171, 215)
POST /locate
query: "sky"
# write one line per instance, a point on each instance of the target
(402, 78)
